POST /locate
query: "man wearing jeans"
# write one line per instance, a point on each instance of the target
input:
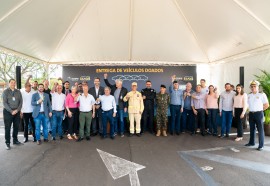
(58, 107)
(97, 91)
(176, 106)
(42, 111)
(226, 109)
(12, 100)
(119, 92)
(187, 115)
(108, 111)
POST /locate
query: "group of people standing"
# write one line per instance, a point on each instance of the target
(79, 108)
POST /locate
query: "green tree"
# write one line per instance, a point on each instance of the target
(8, 63)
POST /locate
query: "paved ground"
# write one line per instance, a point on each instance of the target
(169, 161)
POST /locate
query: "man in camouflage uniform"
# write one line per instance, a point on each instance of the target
(163, 102)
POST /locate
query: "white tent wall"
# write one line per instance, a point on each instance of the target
(219, 74)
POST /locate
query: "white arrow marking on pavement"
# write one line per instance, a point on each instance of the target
(119, 167)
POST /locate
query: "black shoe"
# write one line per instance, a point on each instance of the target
(61, 137)
(17, 143)
(138, 134)
(88, 138)
(8, 146)
(112, 137)
(172, 133)
(94, 134)
(79, 139)
(260, 148)
(25, 140)
(248, 145)
(202, 134)
(177, 133)
(227, 135)
(46, 140)
(130, 135)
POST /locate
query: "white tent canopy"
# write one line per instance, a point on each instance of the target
(221, 34)
(176, 31)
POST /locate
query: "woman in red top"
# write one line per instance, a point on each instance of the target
(73, 113)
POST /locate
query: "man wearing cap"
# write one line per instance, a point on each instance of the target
(149, 96)
(135, 109)
(176, 106)
(257, 104)
(163, 102)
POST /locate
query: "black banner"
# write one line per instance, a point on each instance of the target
(156, 74)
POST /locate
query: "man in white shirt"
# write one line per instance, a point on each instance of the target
(87, 104)
(226, 109)
(58, 107)
(27, 110)
(108, 106)
(257, 104)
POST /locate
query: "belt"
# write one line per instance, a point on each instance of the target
(255, 112)
(58, 111)
(107, 110)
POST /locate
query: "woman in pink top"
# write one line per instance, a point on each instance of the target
(212, 109)
(73, 113)
(239, 110)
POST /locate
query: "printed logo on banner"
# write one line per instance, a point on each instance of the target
(188, 78)
(73, 79)
(85, 78)
(130, 77)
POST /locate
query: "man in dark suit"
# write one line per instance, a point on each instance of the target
(97, 91)
(42, 111)
(119, 92)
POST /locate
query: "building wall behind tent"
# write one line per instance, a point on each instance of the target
(229, 71)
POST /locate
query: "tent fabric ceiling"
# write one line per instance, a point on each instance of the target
(181, 31)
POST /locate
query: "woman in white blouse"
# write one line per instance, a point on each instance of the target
(239, 110)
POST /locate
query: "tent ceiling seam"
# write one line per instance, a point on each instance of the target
(257, 49)
(250, 13)
(22, 55)
(14, 10)
(69, 29)
(190, 28)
